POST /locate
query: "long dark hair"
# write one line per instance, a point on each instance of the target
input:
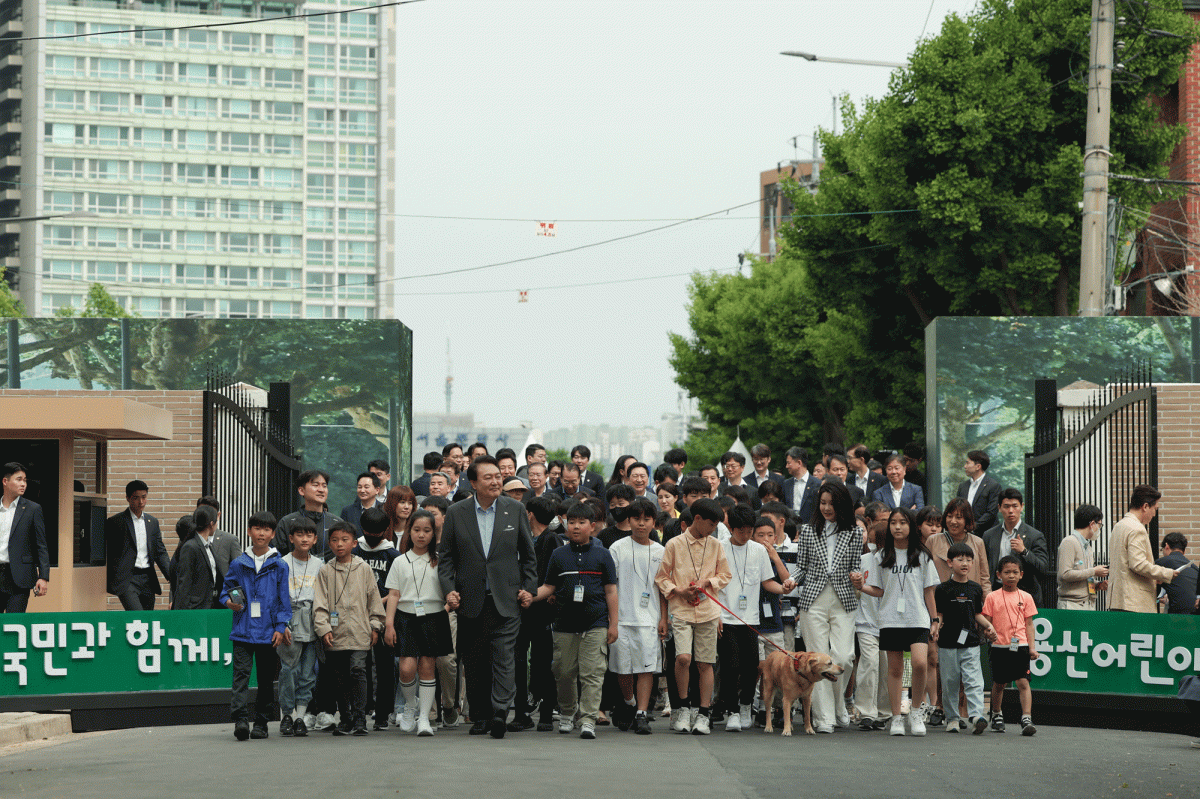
(915, 546)
(618, 475)
(843, 508)
(406, 539)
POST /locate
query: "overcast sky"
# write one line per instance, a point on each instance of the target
(575, 111)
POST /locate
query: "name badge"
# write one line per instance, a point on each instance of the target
(579, 593)
(962, 636)
(766, 610)
(418, 607)
(255, 610)
(742, 603)
(333, 619)
(1013, 643)
(900, 605)
(645, 599)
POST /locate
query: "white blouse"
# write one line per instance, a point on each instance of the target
(415, 578)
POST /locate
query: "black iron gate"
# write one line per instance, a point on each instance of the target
(1091, 455)
(250, 464)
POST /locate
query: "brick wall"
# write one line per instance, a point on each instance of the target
(1179, 460)
(172, 468)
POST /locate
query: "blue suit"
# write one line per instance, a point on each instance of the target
(910, 496)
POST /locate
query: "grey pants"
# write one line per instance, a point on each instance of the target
(581, 657)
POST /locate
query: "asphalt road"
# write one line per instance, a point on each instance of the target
(1059, 762)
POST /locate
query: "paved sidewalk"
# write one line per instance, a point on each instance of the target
(1059, 762)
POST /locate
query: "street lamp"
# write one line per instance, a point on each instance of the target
(811, 57)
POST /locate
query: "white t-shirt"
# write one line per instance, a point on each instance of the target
(750, 565)
(414, 577)
(636, 567)
(866, 618)
(903, 580)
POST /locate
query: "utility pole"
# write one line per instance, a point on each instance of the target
(449, 376)
(1093, 252)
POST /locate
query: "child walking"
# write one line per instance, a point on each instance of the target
(348, 616)
(298, 653)
(1011, 612)
(418, 625)
(959, 602)
(903, 578)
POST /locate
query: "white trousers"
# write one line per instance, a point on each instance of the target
(828, 627)
(870, 690)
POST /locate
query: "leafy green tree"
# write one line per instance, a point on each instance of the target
(11, 306)
(956, 193)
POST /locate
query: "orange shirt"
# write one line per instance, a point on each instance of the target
(687, 559)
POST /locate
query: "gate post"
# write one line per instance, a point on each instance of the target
(1046, 490)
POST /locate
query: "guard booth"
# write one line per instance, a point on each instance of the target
(63, 444)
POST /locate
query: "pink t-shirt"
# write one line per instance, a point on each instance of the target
(1008, 611)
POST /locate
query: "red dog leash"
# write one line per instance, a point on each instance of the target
(743, 621)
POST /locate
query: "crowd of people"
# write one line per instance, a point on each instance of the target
(548, 598)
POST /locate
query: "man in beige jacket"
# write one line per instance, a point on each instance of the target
(1077, 567)
(1132, 571)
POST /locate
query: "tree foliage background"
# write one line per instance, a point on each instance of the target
(955, 194)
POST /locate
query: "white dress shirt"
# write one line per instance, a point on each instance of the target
(974, 489)
(142, 561)
(7, 514)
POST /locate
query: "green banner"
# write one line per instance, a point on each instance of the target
(1114, 653)
(108, 652)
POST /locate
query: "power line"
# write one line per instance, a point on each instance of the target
(705, 218)
(207, 24)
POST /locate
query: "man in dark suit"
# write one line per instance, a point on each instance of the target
(1014, 537)
(225, 546)
(432, 462)
(24, 558)
(581, 456)
(760, 456)
(135, 545)
(839, 467)
(981, 491)
(367, 491)
(733, 464)
(800, 490)
(861, 475)
(488, 570)
(569, 483)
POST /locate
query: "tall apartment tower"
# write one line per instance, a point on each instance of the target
(237, 171)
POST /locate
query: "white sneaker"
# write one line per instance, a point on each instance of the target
(916, 724)
(924, 710)
(565, 725)
(310, 721)
(666, 711)
(702, 725)
(679, 720)
(325, 721)
(424, 728)
(897, 725)
(391, 719)
(693, 715)
(747, 716)
(587, 731)
(733, 723)
(408, 719)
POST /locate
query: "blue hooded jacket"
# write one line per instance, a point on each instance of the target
(268, 587)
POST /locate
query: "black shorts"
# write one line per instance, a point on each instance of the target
(901, 639)
(1009, 666)
(423, 636)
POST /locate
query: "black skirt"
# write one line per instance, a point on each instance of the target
(423, 636)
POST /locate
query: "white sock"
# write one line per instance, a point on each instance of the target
(632, 701)
(300, 710)
(428, 695)
(409, 689)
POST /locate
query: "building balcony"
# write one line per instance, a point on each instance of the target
(10, 95)
(11, 28)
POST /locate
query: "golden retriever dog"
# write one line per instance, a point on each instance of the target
(795, 674)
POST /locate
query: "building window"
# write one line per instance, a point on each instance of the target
(320, 187)
(239, 142)
(108, 135)
(283, 112)
(64, 235)
(153, 70)
(150, 306)
(66, 100)
(63, 202)
(359, 123)
(357, 58)
(282, 45)
(274, 144)
(199, 241)
(240, 109)
(357, 254)
(104, 203)
(55, 269)
(320, 56)
(157, 38)
(281, 210)
(239, 209)
(282, 78)
(357, 156)
(154, 138)
(198, 140)
(281, 278)
(356, 188)
(356, 287)
(239, 176)
(355, 312)
(52, 303)
(111, 33)
(318, 219)
(241, 276)
(238, 309)
(151, 206)
(320, 120)
(359, 23)
(283, 310)
(150, 273)
(144, 239)
(109, 169)
(359, 90)
(152, 171)
(106, 271)
(110, 68)
(153, 104)
(195, 275)
(66, 66)
(322, 88)
(239, 242)
(242, 76)
(320, 154)
(65, 167)
(197, 207)
(197, 73)
(240, 41)
(319, 284)
(196, 307)
(110, 102)
(281, 244)
(359, 221)
(64, 133)
(319, 252)
(107, 237)
(319, 312)
(197, 39)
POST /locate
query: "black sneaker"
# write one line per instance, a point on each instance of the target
(1027, 727)
(342, 728)
(997, 722)
(299, 729)
(641, 724)
(937, 717)
(865, 724)
(259, 732)
(360, 726)
(241, 730)
(380, 724)
(520, 724)
(623, 717)
(286, 727)
(717, 716)
(546, 725)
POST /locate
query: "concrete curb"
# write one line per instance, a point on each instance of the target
(18, 728)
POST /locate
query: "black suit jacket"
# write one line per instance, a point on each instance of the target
(226, 547)
(593, 482)
(353, 513)
(752, 478)
(1035, 560)
(508, 567)
(874, 481)
(122, 550)
(751, 491)
(193, 578)
(420, 486)
(808, 502)
(986, 506)
(28, 558)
